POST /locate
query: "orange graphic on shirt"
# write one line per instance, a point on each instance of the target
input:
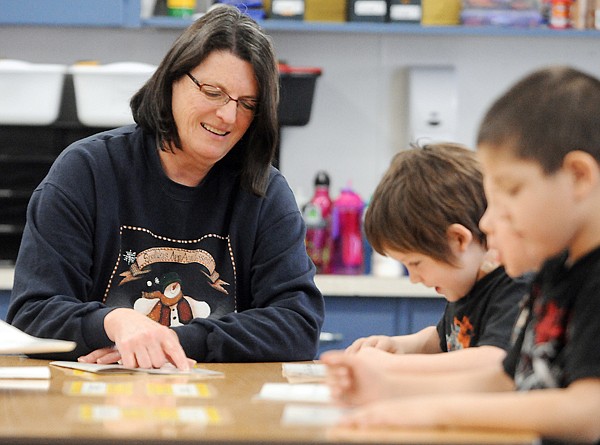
(462, 331)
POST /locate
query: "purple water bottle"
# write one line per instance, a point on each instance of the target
(346, 231)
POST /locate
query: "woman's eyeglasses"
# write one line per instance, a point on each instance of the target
(220, 97)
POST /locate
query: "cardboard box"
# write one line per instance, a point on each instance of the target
(317, 10)
(325, 10)
(441, 12)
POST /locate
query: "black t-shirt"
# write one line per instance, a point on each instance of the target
(486, 315)
(556, 336)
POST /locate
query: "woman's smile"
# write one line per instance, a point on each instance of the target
(214, 130)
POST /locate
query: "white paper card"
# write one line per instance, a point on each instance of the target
(304, 372)
(312, 415)
(25, 384)
(24, 372)
(298, 392)
(114, 368)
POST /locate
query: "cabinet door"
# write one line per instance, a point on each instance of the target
(349, 318)
(415, 314)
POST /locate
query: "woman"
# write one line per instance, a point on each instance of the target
(175, 240)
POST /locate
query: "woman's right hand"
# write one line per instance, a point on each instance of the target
(139, 342)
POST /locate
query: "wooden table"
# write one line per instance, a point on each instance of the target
(152, 409)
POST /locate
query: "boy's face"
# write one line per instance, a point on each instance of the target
(534, 207)
(447, 280)
(509, 246)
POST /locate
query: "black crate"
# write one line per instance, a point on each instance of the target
(297, 89)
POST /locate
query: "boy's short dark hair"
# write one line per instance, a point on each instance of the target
(423, 192)
(546, 115)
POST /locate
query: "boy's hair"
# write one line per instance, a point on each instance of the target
(546, 115)
(423, 192)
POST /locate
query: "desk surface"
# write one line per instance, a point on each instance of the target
(141, 408)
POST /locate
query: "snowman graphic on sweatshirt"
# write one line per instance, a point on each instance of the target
(169, 306)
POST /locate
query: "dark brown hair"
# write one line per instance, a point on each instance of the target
(423, 192)
(544, 116)
(224, 28)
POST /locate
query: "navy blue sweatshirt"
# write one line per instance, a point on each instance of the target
(225, 269)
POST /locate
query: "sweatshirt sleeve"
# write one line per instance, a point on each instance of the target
(52, 295)
(284, 311)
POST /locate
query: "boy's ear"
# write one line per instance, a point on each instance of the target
(584, 170)
(459, 237)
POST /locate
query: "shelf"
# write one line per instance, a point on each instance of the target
(126, 14)
(372, 286)
(415, 29)
(330, 285)
(300, 26)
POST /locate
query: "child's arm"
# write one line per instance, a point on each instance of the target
(356, 379)
(567, 414)
(469, 358)
(426, 341)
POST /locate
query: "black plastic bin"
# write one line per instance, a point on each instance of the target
(297, 89)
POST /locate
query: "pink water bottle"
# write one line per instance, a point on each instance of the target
(346, 231)
(317, 216)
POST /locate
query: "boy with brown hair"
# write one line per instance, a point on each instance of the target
(425, 213)
(540, 150)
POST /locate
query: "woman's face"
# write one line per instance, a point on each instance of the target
(208, 130)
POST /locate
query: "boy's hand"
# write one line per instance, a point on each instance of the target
(382, 342)
(353, 379)
(412, 412)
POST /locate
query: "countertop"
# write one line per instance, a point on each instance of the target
(330, 285)
(6, 278)
(372, 286)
